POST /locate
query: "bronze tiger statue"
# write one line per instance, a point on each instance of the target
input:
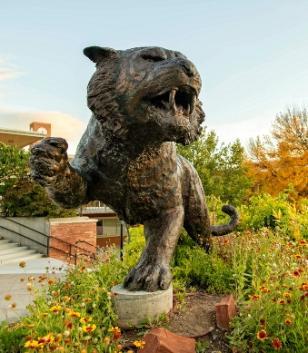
(144, 101)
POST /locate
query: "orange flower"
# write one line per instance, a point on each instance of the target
(304, 286)
(51, 281)
(287, 295)
(22, 264)
(276, 344)
(288, 321)
(13, 305)
(261, 335)
(282, 302)
(7, 297)
(116, 332)
(46, 339)
(264, 290)
(297, 256)
(88, 328)
(68, 324)
(255, 297)
(296, 273)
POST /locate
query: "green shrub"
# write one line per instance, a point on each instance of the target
(11, 338)
(275, 212)
(20, 195)
(192, 266)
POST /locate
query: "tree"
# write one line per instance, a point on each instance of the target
(19, 195)
(221, 167)
(280, 161)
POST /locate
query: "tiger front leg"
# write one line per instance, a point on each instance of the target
(152, 272)
(50, 168)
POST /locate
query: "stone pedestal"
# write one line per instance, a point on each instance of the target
(134, 309)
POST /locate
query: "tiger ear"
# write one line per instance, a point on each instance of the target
(97, 54)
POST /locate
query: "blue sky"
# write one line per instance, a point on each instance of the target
(252, 57)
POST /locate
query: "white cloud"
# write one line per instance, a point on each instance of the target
(242, 130)
(8, 71)
(62, 125)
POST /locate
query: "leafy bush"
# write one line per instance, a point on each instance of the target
(192, 266)
(221, 167)
(11, 338)
(20, 196)
(276, 212)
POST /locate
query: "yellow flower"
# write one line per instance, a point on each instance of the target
(88, 328)
(46, 339)
(107, 340)
(85, 320)
(7, 297)
(73, 313)
(32, 344)
(139, 344)
(55, 309)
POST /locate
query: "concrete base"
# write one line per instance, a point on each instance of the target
(135, 309)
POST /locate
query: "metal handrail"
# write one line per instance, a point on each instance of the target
(23, 225)
(44, 234)
(48, 246)
(23, 236)
(86, 242)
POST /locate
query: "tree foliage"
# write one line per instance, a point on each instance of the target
(19, 195)
(220, 167)
(280, 161)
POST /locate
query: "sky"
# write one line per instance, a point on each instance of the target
(252, 57)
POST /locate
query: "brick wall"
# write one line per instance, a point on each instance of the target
(67, 232)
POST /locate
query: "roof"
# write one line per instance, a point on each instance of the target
(20, 138)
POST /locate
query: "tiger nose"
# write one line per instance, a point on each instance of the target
(188, 67)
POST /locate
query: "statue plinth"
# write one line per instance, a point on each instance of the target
(136, 308)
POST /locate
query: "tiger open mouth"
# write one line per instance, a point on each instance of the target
(179, 100)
